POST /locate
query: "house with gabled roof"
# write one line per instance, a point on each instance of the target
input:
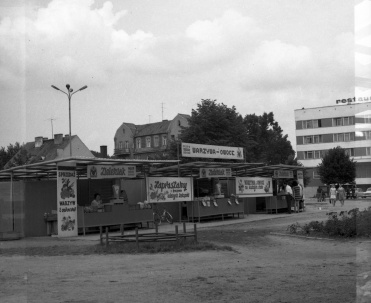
(44, 149)
(144, 141)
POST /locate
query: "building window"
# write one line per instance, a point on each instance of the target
(343, 121)
(308, 155)
(121, 145)
(317, 139)
(138, 143)
(308, 140)
(148, 141)
(316, 175)
(172, 137)
(368, 151)
(347, 137)
(179, 124)
(317, 154)
(164, 140)
(126, 144)
(156, 141)
(349, 151)
(311, 123)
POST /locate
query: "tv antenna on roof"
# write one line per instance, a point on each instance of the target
(162, 111)
(51, 122)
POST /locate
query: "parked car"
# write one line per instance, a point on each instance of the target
(367, 193)
(359, 193)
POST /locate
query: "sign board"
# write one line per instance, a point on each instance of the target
(67, 202)
(300, 177)
(111, 171)
(215, 172)
(254, 186)
(167, 189)
(283, 174)
(211, 151)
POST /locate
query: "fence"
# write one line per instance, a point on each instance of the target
(149, 237)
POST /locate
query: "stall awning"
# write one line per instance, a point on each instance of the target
(192, 169)
(48, 169)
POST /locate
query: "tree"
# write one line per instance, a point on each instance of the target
(7, 153)
(212, 124)
(267, 142)
(337, 167)
(215, 124)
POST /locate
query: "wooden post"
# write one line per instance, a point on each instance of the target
(137, 238)
(195, 231)
(156, 227)
(184, 227)
(100, 234)
(176, 236)
(122, 229)
(106, 236)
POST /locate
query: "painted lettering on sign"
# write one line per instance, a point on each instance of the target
(211, 151)
(354, 99)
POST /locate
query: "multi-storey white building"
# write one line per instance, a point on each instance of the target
(347, 125)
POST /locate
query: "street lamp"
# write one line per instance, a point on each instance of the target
(69, 95)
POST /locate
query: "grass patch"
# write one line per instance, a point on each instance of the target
(115, 248)
(159, 247)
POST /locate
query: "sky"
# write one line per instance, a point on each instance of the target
(148, 60)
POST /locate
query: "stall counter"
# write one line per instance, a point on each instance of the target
(114, 214)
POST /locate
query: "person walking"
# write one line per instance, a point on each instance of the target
(333, 194)
(342, 194)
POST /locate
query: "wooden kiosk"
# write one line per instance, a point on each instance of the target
(51, 196)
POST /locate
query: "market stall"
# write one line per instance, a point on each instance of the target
(52, 196)
(232, 189)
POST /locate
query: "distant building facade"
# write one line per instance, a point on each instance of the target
(145, 141)
(44, 149)
(347, 125)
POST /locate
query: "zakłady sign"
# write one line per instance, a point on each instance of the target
(111, 171)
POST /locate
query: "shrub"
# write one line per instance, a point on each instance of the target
(355, 223)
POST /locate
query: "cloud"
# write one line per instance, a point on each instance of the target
(70, 39)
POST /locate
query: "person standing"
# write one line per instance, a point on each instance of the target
(289, 196)
(342, 194)
(297, 195)
(319, 194)
(333, 194)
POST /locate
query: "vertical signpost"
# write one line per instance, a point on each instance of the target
(67, 201)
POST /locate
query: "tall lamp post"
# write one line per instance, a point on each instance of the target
(69, 95)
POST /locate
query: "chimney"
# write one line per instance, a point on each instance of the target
(38, 141)
(66, 136)
(103, 151)
(58, 138)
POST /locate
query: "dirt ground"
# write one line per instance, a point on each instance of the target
(264, 267)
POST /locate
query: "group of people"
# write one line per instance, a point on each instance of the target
(337, 194)
(293, 194)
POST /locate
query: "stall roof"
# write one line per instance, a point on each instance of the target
(267, 170)
(48, 169)
(192, 169)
